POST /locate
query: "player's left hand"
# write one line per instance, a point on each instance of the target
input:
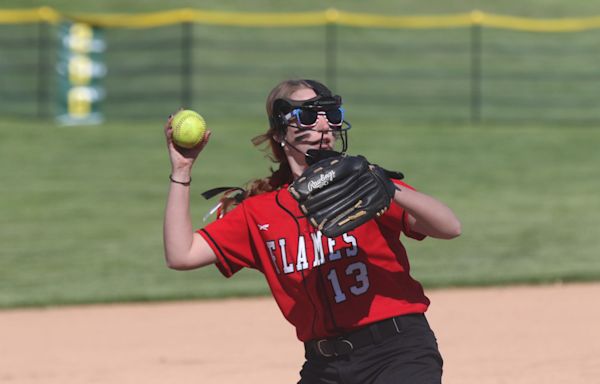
(340, 193)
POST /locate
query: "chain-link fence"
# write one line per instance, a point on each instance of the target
(467, 68)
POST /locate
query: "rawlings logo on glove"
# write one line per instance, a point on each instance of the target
(339, 193)
(322, 181)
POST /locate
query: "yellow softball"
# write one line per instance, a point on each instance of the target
(188, 128)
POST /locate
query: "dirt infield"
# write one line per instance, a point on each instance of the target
(548, 334)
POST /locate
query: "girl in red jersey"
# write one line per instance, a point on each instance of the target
(352, 300)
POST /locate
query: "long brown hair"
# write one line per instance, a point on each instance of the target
(270, 141)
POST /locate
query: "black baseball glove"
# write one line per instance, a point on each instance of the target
(339, 193)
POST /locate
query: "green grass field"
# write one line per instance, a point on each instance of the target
(82, 206)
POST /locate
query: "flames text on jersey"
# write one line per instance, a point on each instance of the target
(297, 258)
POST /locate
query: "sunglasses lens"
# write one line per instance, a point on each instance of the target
(335, 116)
(308, 117)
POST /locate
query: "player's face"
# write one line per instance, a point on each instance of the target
(319, 137)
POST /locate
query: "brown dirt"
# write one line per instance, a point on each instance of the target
(547, 334)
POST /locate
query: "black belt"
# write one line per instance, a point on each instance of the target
(368, 335)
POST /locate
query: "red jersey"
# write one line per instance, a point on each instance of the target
(324, 287)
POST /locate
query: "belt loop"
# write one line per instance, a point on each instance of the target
(321, 350)
(396, 324)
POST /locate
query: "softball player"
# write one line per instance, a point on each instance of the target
(352, 299)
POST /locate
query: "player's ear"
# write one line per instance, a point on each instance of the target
(280, 139)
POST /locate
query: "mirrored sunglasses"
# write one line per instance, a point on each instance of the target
(307, 118)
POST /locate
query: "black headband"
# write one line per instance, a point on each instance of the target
(318, 103)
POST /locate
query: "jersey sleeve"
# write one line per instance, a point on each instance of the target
(403, 216)
(230, 239)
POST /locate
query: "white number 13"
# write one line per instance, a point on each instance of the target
(359, 270)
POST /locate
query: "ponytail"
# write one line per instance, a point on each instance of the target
(278, 178)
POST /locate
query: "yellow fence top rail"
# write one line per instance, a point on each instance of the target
(22, 16)
(300, 19)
